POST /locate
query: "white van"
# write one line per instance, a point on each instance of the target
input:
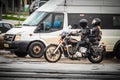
(44, 25)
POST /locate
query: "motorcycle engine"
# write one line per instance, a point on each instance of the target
(82, 49)
(78, 54)
(81, 52)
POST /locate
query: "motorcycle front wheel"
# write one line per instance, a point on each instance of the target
(49, 54)
(96, 59)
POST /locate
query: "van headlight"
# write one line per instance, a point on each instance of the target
(17, 37)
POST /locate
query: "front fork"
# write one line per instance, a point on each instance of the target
(65, 49)
(57, 48)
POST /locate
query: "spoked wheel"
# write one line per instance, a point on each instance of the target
(49, 54)
(96, 58)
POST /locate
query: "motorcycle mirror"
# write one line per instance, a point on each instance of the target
(69, 27)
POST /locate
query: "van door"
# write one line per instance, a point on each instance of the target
(53, 25)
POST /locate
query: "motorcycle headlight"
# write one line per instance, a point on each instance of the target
(17, 37)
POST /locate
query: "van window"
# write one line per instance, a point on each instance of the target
(1, 25)
(34, 19)
(58, 21)
(116, 21)
(48, 21)
(53, 22)
(110, 21)
(74, 18)
(107, 21)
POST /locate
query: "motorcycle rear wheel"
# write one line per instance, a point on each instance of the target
(50, 56)
(96, 59)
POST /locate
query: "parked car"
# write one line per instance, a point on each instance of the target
(36, 4)
(4, 27)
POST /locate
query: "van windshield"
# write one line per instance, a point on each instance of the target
(34, 19)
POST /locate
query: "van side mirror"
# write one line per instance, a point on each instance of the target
(39, 28)
(42, 27)
(69, 27)
(45, 26)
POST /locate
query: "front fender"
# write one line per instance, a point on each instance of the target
(61, 49)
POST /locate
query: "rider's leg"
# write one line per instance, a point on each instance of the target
(80, 43)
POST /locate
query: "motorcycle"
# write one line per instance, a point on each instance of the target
(92, 51)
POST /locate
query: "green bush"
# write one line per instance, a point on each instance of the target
(17, 24)
(12, 18)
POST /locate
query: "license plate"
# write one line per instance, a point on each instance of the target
(6, 45)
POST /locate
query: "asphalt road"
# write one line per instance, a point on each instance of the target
(14, 68)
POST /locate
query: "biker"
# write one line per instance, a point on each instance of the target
(95, 32)
(84, 34)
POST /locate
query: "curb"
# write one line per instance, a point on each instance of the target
(4, 52)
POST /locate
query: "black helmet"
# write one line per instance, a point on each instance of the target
(96, 22)
(83, 23)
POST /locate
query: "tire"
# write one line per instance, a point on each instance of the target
(20, 54)
(36, 50)
(117, 53)
(96, 59)
(52, 57)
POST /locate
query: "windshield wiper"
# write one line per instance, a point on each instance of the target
(26, 25)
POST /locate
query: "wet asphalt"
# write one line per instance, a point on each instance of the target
(14, 68)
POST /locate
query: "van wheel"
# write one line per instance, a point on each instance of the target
(36, 50)
(117, 53)
(20, 54)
